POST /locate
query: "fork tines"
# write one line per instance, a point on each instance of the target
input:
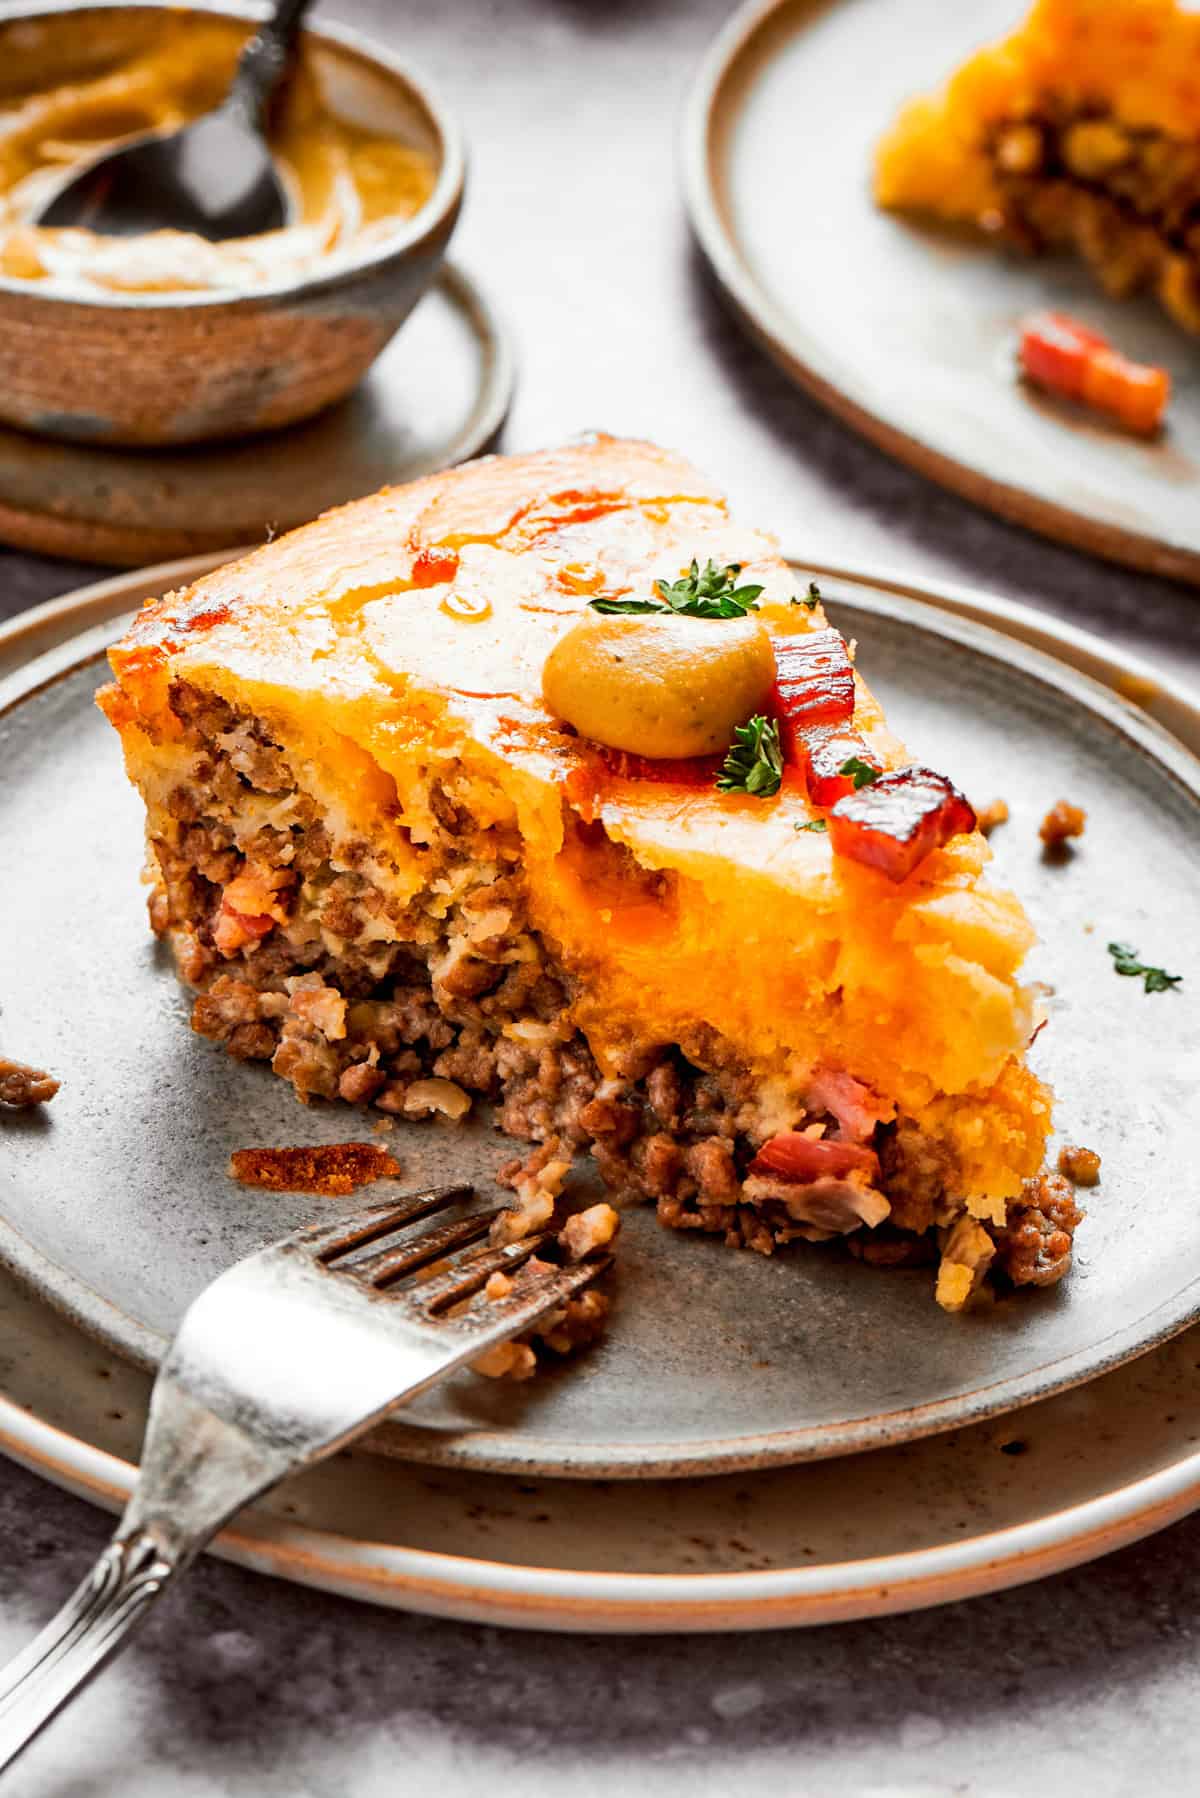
(468, 1276)
(327, 1241)
(406, 1257)
(453, 1279)
(531, 1296)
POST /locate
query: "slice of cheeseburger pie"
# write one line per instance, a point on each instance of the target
(541, 782)
(1081, 130)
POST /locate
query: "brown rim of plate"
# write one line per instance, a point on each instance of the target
(508, 1593)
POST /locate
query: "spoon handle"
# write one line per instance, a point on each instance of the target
(264, 59)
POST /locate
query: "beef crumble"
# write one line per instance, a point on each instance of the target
(1063, 820)
(1126, 198)
(332, 1169)
(1080, 1166)
(22, 1086)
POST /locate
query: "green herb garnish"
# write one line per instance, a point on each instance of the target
(1125, 961)
(625, 605)
(711, 594)
(755, 760)
(812, 597)
(813, 824)
(861, 773)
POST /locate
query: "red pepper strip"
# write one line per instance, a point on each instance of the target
(1068, 359)
(822, 751)
(814, 683)
(252, 924)
(585, 784)
(791, 1156)
(898, 820)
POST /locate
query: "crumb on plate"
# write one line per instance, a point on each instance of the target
(332, 1169)
(990, 815)
(1063, 820)
(21, 1086)
(1080, 1166)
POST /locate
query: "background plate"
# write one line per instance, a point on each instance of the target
(116, 1202)
(905, 331)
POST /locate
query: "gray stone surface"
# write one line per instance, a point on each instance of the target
(1085, 1683)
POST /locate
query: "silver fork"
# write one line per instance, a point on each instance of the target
(280, 1362)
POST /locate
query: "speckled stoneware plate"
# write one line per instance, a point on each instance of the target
(438, 394)
(905, 331)
(953, 1516)
(117, 1205)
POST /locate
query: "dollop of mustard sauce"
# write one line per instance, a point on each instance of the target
(351, 187)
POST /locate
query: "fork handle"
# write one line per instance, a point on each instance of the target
(111, 1601)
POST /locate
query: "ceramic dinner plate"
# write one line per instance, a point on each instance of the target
(117, 1205)
(861, 1535)
(906, 331)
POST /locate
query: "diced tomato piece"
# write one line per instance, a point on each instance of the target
(234, 929)
(898, 820)
(793, 1156)
(1069, 359)
(822, 751)
(814, 683)
(585, 784)
(685, 771)
(433, 567)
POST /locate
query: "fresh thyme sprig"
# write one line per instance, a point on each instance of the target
(755, 760)
(1125, 961)
(713, 593)
(612, 607)
(861, 773)
(811, 599)
(813, 824)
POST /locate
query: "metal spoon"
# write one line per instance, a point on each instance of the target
(215, 178)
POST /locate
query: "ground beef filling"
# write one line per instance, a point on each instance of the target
(22, 1086)
(416, 1008)
(1124, 198)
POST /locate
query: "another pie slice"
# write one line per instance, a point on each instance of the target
(1081, 130)
(392, 873)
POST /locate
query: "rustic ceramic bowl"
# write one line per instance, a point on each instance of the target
(149, 369)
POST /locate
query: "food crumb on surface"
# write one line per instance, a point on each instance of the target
(988, 816)
(579, 1320)
(22, 1086)
(588, 1230)
(506, 1361)
(332, 1169)
(1063, 820)
(1080, 1166)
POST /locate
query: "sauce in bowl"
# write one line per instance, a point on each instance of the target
(352, 186)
